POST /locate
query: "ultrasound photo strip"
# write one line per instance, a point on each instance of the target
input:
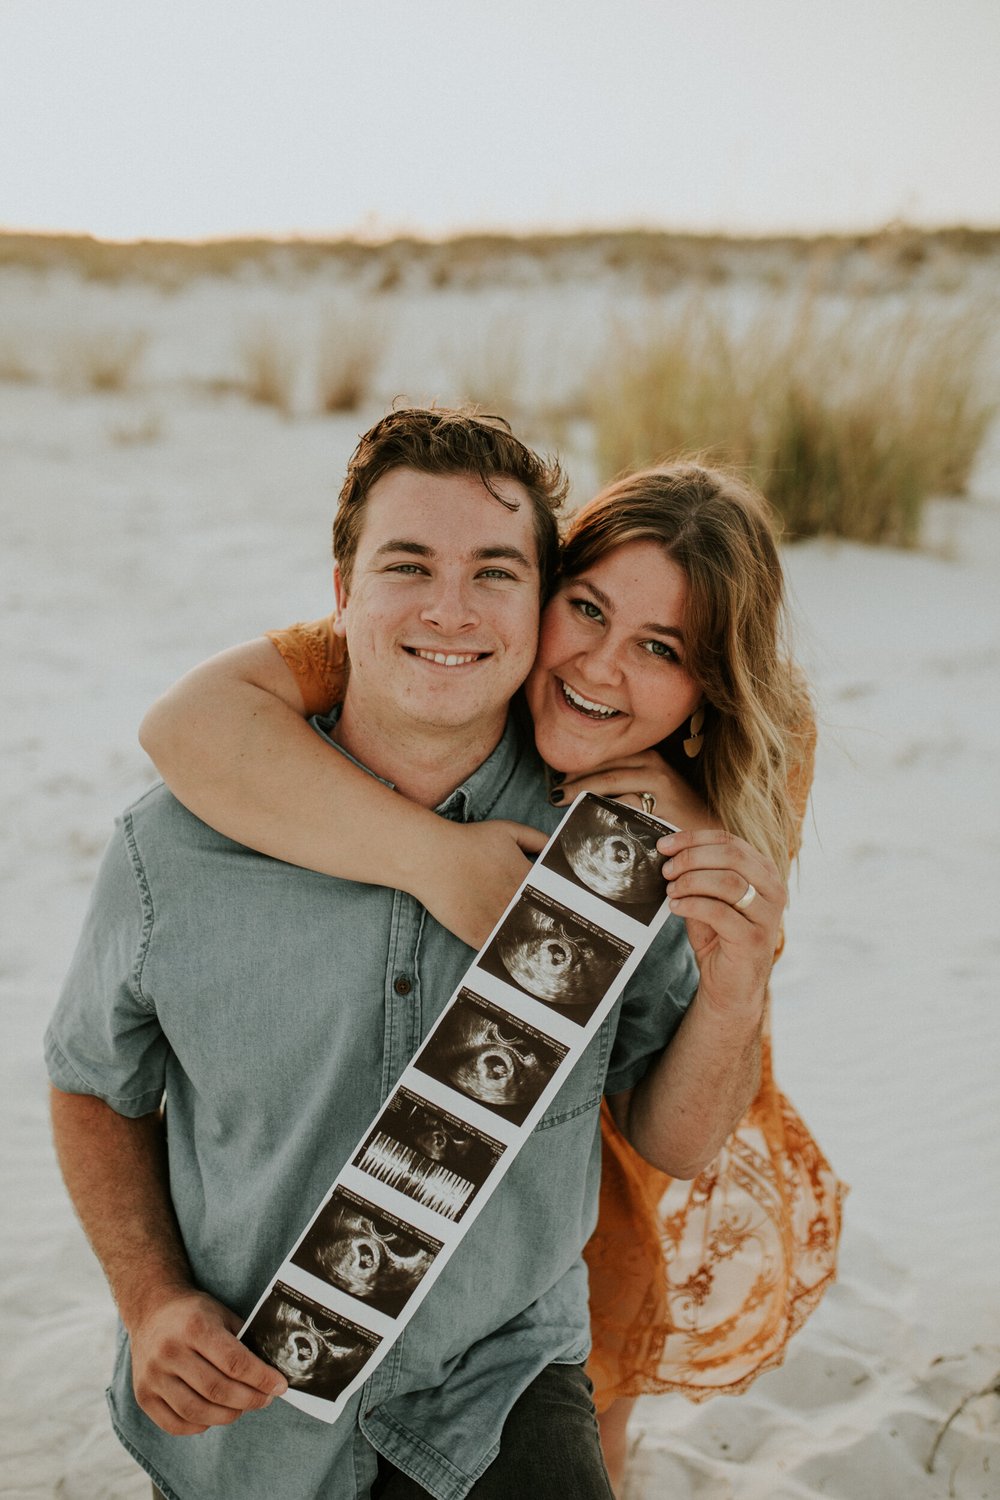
(490, 1056)
(428, 1164)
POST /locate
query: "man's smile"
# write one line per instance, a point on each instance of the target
(447, 658)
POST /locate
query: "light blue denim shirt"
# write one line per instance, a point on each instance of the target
(275, 1008)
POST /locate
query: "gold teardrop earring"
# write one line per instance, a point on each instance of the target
(692, 745)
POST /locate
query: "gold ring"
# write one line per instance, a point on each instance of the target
(648, 801)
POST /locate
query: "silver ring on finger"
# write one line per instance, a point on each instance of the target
(746, 898)
(648, 801)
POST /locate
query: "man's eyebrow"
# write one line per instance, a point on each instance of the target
(511, 554)
(400, 544)
(606, 604)
(481, 554)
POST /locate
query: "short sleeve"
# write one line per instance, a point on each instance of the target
(317, 658)
(104, 1037)
(653, 1006)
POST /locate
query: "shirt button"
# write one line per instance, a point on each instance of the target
(402, 985)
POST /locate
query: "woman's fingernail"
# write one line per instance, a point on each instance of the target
(556, 776)
(555, 796)
(666, 844)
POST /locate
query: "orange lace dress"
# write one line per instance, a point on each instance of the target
(694, 1286)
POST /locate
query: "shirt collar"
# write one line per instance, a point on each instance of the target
(474, 800)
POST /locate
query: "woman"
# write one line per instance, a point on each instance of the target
(660, 673)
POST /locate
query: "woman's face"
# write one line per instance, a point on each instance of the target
(609, 678)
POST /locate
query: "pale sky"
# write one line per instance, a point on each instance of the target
(193, 118)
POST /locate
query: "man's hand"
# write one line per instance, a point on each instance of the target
(189, 1370)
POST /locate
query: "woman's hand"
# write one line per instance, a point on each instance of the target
(469, 877)
(731, 900)
(675, 801)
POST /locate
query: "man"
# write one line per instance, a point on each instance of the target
(274, 1009)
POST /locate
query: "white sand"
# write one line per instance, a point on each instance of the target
(124, 562)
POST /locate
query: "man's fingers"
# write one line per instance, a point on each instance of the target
(225, 1353)
(221, 1390)
(192, 1408)
(164, 1416)
(196, 1410)
(190, 1371)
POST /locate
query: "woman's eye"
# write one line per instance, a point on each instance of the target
(587, 608)
(661, 649)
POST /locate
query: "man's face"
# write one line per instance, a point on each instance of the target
(441, 616)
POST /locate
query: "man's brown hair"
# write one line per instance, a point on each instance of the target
(445, 441)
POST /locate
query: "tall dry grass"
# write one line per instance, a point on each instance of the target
(100, 359)
(351, 344)
(268, 363)
(15, 367)
(490, 364)
(847, 420)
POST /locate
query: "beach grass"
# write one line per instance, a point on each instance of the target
(268, 361)
(100, 359)
(848, 418)
(351, 344)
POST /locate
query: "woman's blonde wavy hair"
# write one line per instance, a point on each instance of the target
(758, 718)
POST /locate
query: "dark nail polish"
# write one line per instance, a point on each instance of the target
(556, 777)
(555, 796)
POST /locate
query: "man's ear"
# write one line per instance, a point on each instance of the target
(340, 598)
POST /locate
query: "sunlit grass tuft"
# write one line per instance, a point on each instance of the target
(848, 421)
(268, 363)
(351, 344)
(15, 366)
(100, 359)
